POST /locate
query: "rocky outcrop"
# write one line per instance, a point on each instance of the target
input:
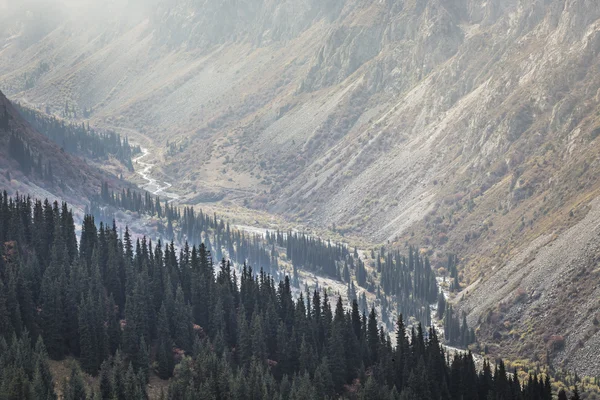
(411, 38)
(203, 24)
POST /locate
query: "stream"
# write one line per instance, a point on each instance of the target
(153, 185)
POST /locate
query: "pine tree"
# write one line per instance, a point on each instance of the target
(51, 315)
(575, 395)
(337, 357)
(15, 385)
(88, 345)
(244, 340)
(118, 377)
(562, 395)
(106, 386)
(43, 385)
(259, 348)
(182, 317)
(132, 386)
(373, 335)
(164, 350)
(323, 381)
(356, 322)
(306, 357)
(441, 305)
(6, 326)
(370, 390)
(74, 388)
(142, 361)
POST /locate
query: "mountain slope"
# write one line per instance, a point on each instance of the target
(48, 170)
(467, 126)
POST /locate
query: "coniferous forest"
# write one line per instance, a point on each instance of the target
(408, 285)
(127, 310)
(80, 139)
(29, 161)
(188, 226)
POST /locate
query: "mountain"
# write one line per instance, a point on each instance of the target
(465, 125)
(32, 164)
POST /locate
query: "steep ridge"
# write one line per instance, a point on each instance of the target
(463, 125)
(45, 169)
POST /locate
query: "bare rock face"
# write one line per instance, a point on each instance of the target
(205, 23)
(413, 37)
(459, 125)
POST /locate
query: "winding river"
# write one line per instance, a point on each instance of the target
(153, 185)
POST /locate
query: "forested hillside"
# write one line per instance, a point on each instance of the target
(79, 139)
(31, 162)
(408, 287)
(127, 314)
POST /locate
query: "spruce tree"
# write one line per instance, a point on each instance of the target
(575, 395)
(106, 389)
(43, 381)
(87, 338)
(337, 357)
(51, 319)
(373, 335)
(182, 317)
(142, 361)
(74, 388)
(164, 349)
(323, 381)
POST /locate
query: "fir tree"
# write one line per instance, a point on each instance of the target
(164, 349)
(74, 388)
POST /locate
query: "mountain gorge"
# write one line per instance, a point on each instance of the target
(463, 126)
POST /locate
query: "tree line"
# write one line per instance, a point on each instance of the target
(311, 253)
(409, 280)
(132, 200)
(186, 225)
(80, 139)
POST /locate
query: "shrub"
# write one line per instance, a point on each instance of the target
(520, 296)
(556, 342)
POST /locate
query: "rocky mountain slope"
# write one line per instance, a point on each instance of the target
(467, 126)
